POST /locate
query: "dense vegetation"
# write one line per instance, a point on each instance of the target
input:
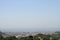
(36, 37)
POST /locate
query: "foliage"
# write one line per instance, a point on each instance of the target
(45, 37)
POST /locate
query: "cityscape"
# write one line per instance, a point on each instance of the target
(30, 36)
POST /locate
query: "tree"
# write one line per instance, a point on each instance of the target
(30, 37)
(11, 38)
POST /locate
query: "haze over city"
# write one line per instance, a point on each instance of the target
(29, 15)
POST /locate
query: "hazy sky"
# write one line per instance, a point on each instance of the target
(30, 15)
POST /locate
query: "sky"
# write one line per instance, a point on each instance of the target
(29, 15)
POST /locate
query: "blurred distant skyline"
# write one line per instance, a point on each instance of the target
(30, 15)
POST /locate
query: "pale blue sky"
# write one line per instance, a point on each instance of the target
(30, 15)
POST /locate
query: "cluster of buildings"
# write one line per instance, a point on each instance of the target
(25, 34)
